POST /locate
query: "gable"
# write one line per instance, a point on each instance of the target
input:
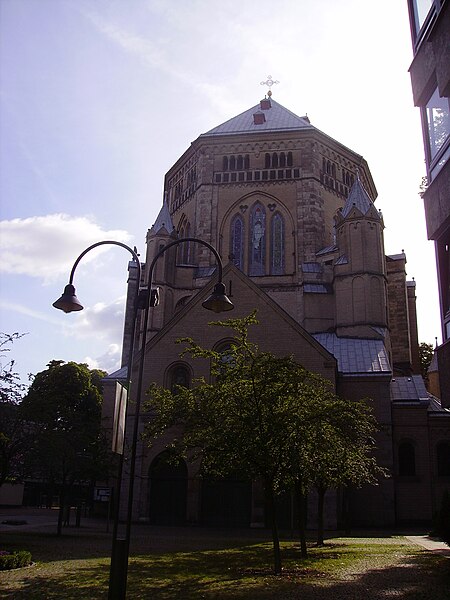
(277, 331)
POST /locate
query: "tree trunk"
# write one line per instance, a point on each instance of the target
(62, 503)
(302, 516)
(273, 525)
(346, 510)
(320, 504)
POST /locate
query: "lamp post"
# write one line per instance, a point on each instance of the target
(143, 300)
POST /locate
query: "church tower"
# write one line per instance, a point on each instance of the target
(291, 212)
(360, 272)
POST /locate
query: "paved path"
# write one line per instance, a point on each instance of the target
(41, 518)
(430, 543)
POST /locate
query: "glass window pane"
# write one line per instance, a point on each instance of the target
(438, 122)
(421, 9)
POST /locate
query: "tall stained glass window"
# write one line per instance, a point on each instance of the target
(277, 250)
(257, 240)
(237, 242)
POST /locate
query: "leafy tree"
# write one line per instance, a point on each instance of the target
(426, 353)
(64, 403)
(339, 450)
(14, 430)
(260, 416)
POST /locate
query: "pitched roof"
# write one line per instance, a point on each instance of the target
(277, 118)
(163, 220)
(357, 198)
(355, 355)
(409, 389)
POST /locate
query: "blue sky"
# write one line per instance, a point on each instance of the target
(99, 97)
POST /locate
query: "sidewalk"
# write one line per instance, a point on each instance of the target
(430, 543)
(43, 519)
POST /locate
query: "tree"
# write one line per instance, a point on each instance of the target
(14, 430)
(255, 417)
(426, 353)
(64, 404)
(339, 450)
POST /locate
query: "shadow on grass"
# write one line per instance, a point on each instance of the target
(243, 574)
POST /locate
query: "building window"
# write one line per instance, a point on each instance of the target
(406, 459)
(257, 240)
(237, 242)
(179, 376)
(277, 249)
(419, 11)
(437, 126)
(443, 459)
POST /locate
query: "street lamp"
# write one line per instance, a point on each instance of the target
(218, 301)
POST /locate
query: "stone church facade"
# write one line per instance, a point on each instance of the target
(291, 212)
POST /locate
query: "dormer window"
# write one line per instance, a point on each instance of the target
(265, 104)
(259, 118)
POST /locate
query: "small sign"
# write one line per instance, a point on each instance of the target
(102, 494)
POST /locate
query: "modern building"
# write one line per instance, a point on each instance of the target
(292, 214)
(430, 78)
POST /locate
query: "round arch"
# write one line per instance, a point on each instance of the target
(168, 490)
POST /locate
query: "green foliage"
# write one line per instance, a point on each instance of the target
(426, 352)
(14, 560)
(15, 432)
(267, 418)
(64, 405)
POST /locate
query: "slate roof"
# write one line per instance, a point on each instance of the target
(119, 374)
(163, 220)
(357, 198)
(356, 355)
(409, 389)
(277, 118)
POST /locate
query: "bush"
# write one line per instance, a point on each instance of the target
(14, 560)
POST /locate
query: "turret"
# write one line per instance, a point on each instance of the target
(360, 272)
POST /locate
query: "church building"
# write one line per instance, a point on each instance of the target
(291, 212)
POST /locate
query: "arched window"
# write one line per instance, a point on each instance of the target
(282, 159)
(277, 245)
(247, 162)
(186, 246)
(406, 459)
(232, 163)
(237, 242)
(274, 160)
(240, 162)
(225, 163)
(179, 376)
(257, 242)
(267, 161)
(289, 159)
(443, 459)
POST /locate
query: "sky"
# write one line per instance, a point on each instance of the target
(98, 98)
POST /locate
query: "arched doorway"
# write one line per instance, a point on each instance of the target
(168, 490)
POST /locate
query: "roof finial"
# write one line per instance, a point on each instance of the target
(269, 82)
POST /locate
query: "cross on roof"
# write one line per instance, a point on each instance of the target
(269, 82)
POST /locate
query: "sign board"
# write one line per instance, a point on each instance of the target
(120, 408)
(102, 494)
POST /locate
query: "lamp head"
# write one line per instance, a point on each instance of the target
(68, 301)
(218, 301)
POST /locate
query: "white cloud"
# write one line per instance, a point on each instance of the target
(109, 361)
(106, 320)
(47, 246)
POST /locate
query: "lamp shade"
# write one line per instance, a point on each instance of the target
(68, 301)
(218, 301)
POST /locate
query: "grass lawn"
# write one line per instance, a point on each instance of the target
(196, 564)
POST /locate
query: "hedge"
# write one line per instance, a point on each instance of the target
(14, 560)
